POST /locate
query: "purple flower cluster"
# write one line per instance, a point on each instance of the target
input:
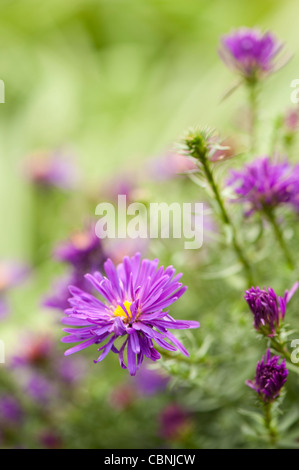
(264, 185)
(270, 377)
(250, 52)
(268, 309)
(136, 295)
(83, 252)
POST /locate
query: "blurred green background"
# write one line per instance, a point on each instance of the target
(117, 82)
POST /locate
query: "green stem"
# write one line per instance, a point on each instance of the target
(253, 101)
(227, 221)
(280, 346)
(279, 236)
(271, 430)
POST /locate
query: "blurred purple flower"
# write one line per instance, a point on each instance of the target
(51, 169)
(50, 439)
(11, 274)
(40, 389)
(84, 251)
(135, 298)
(150, 382)
(175, 421)
(170, 166)
(264, 185)
(267, 309)
(70, 371)
(122, 184)
(36, 351)
(4, 309)
(270, 377)
(250, 52)
(10, 409)
(291, 121)
(59, 299)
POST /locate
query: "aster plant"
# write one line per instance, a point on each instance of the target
(135, 296)
(269, 380)
(252, 55)
(83, 252)
(264, 186)
(269, 311)
(201, 145)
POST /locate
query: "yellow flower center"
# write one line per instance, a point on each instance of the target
(119, 312)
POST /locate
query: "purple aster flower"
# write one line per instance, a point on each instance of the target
(250, 52)
(135, 298)
(268, 309)
(10, 409)
(84, 251)
(264, 185)
(270, 377)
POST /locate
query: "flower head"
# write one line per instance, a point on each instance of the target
(10, 410)
(136, 295)
(40, 388)
(264, 185)
(250, 52)
(51, 169)
(83, 250)
(175, 422)
(268, 309)
(270, 377)
(202, 144)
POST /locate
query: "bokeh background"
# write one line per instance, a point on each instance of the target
(113, 84)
